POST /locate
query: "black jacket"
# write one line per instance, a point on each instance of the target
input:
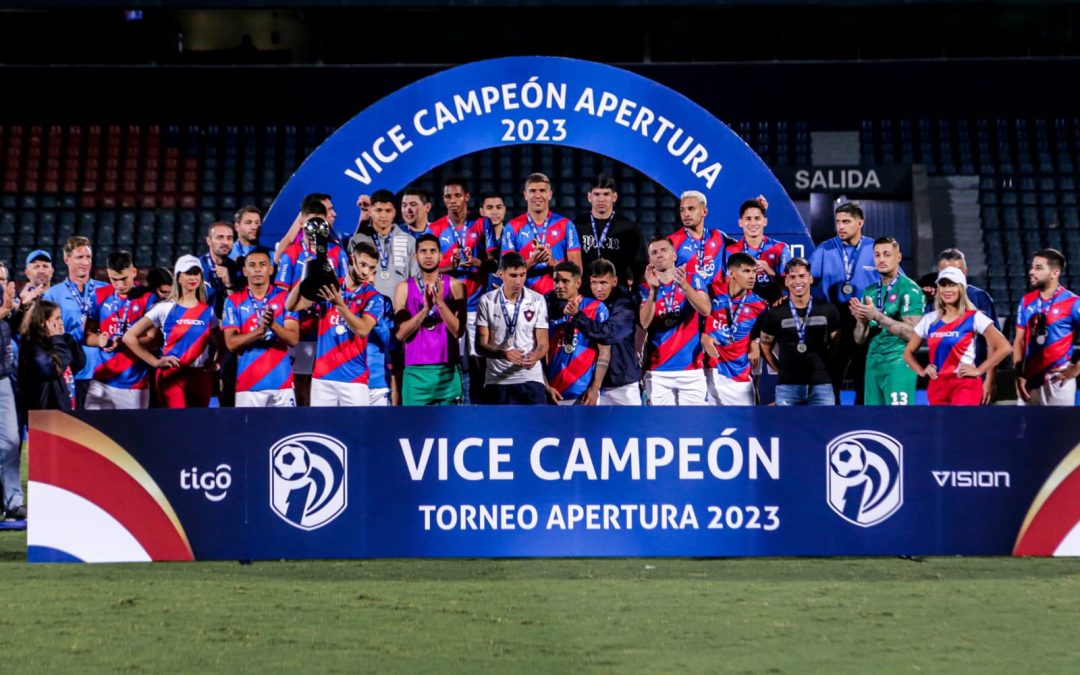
(41, 385)
(618, 332)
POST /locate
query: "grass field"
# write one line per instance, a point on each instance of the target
(658, 615)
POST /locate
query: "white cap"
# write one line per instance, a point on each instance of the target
(185, 263)
(952, 274)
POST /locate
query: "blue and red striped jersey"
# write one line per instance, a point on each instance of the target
(673, 341)
(776, 254)
(1061, 319)
(114, 315)
(340, 354)
(187, 330)
(557, 232)
(730, 324)
(477, 239)
(265, 365)
(572, 355)
(952, 344)
(703, 257)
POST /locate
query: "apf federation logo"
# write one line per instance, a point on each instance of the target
(308, 475)
(865, 476)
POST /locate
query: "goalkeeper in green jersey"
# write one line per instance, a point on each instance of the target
(885, 317)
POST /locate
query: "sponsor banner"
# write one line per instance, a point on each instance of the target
(538, 100)
(877, 181)
(547, 481)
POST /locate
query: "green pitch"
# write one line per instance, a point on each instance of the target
(657, 615)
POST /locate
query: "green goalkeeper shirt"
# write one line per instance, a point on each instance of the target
(903, 298)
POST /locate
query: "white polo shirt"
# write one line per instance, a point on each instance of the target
(531, 314)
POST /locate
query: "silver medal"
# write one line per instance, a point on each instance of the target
(801, 347)
(340, 330)
(569, 349)
(1040, 340)
(848, 289)
(384, 275)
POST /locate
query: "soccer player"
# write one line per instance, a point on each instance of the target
(576, 366)
(604, 236)
(493, 208)
(843, 269)
(223, 275)
(889, 311)
(954, 257)
(950, 332)
(671, 307)
(190, 328)
(346, 316)
(289, 272)
(247, 223)
(769, 255)
(699, 250)
(542, 238)
(121, 379)
(382, 386)
(804, 332)
(260, 331)
(1047, 322)
(466, 247)
(621, 383)
(415, 209)
(730, 353)
(310, 205)
(512, 332)
(430, 314)
(395, 248)
(76, 296)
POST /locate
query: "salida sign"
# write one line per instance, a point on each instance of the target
(849, 180)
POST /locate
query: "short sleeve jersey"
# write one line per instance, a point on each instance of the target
(1057, 320)
(673, 337)
(705, 257)
(896, 300)
(187, 331)
(556, 232)
(808, 367)
(729, 325)
(380, 345)
(120, 368)
(776, 254)
(76, 308)
(265, 365)
(571, 355)
(291, 269)
(341, 354)
(477, 239)
(952, 343)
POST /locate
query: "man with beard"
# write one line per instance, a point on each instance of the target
(701, 252)
(247, 223)
(1046, 325)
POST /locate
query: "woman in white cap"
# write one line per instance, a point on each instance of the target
(189, 327)
(950, 331)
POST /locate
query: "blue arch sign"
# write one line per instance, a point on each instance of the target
(523, 100)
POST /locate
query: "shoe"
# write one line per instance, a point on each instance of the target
(17, 513)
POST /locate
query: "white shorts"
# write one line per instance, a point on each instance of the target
(628, 394)
(379, 397)
(271, 398)
(567, 401)
(723, 390)
(330, 394)
(681, 387)
(101, 396)
(1048, 394)
(303, 358)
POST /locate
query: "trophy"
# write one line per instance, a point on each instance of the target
(318, 271)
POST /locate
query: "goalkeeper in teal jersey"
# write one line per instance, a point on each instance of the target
(885, 317)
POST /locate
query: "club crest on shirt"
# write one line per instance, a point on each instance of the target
(529, 314)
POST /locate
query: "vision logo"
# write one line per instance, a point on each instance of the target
(308, 474)
(865, 477)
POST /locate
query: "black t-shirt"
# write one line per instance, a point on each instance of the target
(623, 245)
(796, 367)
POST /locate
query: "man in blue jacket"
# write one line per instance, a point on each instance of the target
(621, 385)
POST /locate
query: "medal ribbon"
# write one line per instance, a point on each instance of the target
(603, 235)
(800, 328)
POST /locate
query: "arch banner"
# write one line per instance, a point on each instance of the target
(524, 100)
